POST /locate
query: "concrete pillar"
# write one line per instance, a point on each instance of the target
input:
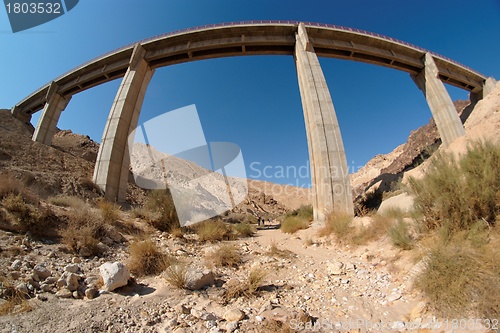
(113, 160)
(23, 117)
(443, 111)
(329, 173)
(54, 106)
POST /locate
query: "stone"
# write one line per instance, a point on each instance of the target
(61, 283)
(335, 268)
(14, 275)
(197, 279)
(233, 315)
(76, 260)
(231, 326)
(64, 293)
(45, 287)
(72, 268)
(394, 297)
(418, 310)
(72, 281)
(22, 288)
(41, 272)
(50, 280)
(114, 275)
(16, 264)
(41, 297)
(91, 293)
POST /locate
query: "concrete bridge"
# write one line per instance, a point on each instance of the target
(137, 62)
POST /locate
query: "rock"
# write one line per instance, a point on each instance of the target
(72, 268)
(233, 315)
(14, 275)
(50, 280)
(72, 281)
(91, 293)
(45, 287)
(403, 201)
(393, 297)
(76, 260)
(231, 326)
(22, 288)
(64, 293)
(336, 268)
(41, 272)
(16, 265)
(61, 283)
(197, 279)
(42, 298)
(114, 275)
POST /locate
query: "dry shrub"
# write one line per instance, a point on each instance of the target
(89, 185)
(376, 230)
(15, 300)
(400, 235)
(275, 326)
(455, 194)
(244, 229)
(214, 231)
(83, 232)
(68, 201)
(292, 224)
(338, 224)
(160, 210)
(247, 288)
(176, 275)
(274, 251)
(227, 255)
(460, 279)
(30, 217)
(110, 212)
(147, 259)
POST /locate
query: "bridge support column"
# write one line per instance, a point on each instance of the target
(443, 111)
(113, 160)
(23, 117)
(54, 106)
(329, 173)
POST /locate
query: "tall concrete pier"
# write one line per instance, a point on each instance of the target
(47, 123)
(113, 160)
(329, 173)
(443, 111)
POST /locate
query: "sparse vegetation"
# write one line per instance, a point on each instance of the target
(275, 251)
(244, 229)
(246, 288)
(15, 301)
(176, 275)
(226, 255)
(338, 224)
(110, 212)
(147, 259)
(292, 224)
(68, 201)
(400, 235)
(213, 231)
(455, 194)
(160, 210)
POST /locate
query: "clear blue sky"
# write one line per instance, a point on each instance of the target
(254, 101)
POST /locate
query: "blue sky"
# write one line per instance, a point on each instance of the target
(254, 101)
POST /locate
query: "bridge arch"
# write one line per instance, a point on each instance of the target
(137, 62)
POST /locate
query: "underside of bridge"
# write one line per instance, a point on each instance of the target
(330, 178)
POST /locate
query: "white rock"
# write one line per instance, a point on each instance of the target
(393, 297)
(114, 275)
(231, 326)
(72, 281)
(41, 272)
(198, 279)
(16, 264)
(336, 268)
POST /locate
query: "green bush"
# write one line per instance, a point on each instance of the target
(456, 194)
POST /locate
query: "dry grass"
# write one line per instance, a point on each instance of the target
(275, 326)
(400, 235)
(376, 230)
(292, 224)
(176, 275)
(83, 232)
(338, 224)
(68, 201)
(110, 212)
(227, 255)
(247, 288)
(274, 251)
(162, 214)
(214, 231)
(244, 229)
(26, 216)
(15, 300)
(461, 279)
(145, 259)
(89, 185)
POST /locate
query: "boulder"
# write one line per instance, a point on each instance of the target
(197, 279)
(114, 275)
